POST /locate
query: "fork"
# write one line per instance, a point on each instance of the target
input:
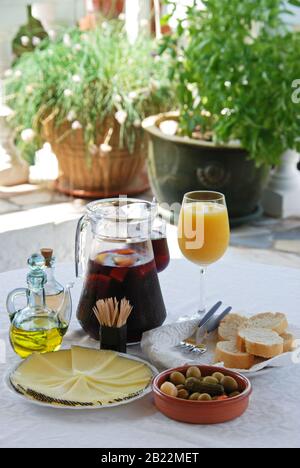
(207, 325)
(190, 347)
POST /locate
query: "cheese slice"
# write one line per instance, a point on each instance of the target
(42, 364)
(81, 376)
(90, 361)
(61, 360)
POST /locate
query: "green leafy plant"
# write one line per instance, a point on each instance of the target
(29, 35)
(234, 63)
(83, 79)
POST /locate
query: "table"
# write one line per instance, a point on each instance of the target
(273, 419)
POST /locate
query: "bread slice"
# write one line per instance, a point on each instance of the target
(272, 321)
(229, 327)
(227, 352)
(260, 342)
(288, 342)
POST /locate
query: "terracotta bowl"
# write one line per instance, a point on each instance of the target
(202, 412)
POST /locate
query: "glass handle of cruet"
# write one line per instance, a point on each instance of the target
(11, 301)
(80, 243)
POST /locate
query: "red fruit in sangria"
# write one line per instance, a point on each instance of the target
(123, 273)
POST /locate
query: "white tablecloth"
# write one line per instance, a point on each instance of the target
(273, 419)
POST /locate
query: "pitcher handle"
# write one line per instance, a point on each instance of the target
(10, 301)
(80, 246)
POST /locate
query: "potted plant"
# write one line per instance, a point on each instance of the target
(100, 8)
(29, 35)
(233, 63)
(87, 94)
(110, 7)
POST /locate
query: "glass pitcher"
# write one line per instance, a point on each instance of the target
(118, 261)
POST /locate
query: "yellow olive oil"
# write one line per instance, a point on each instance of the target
(40, 334)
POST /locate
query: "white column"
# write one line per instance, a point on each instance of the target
(45, 12)
(138, 13)
(13, 170)
(282, 196)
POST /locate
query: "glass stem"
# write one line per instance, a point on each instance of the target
(202, 304)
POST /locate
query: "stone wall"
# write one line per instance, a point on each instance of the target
(25, 232)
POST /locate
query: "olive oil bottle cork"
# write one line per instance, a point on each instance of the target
(48, 255)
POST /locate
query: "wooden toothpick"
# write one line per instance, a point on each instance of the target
(112, 313)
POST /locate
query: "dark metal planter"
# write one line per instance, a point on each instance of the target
(178, 165)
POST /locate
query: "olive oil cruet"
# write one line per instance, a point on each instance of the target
(37, 328)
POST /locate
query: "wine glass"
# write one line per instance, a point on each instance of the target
(203, 233)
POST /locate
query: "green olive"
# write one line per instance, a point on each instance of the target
(169, 389)
(180, 387)
(219, 376)
(234, 394)
(191, 382)
(177, 378)
(230, 385)
(193, 372)
(210, 380)
(183, 394)
(205, 397)
(194, 396)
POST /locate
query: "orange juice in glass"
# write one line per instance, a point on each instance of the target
(203, 231)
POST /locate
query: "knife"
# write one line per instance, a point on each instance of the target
(209, 314)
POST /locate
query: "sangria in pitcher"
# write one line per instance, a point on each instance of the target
(118, 261)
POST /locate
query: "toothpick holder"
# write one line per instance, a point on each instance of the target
(113, 338)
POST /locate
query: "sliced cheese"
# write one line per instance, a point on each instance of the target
(90, 361)
(61, 360)
(42, 364)
(81, 376)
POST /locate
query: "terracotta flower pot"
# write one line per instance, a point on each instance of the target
(109, 7)
(100, 173)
